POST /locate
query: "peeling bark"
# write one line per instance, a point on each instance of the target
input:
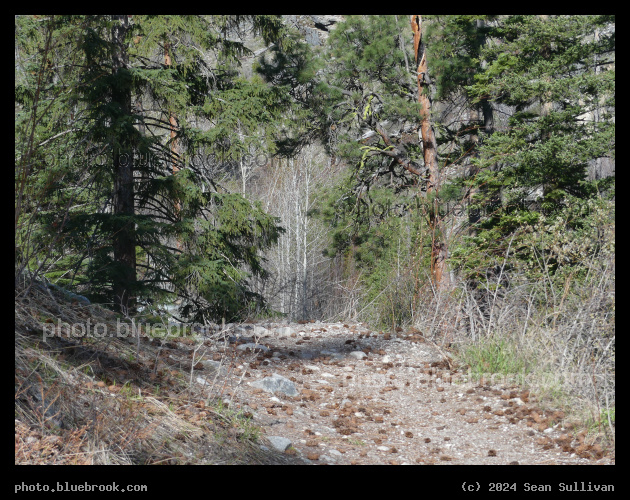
(438, 247)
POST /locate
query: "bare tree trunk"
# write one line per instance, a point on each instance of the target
(297, 262)
(438, 247)
(124, 238)
(172, 119)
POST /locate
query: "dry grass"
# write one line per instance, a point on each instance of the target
(554, 335)
(109, 401)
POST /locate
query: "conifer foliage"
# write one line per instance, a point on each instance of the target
(552, 81)
(119, 210)
(120, 122)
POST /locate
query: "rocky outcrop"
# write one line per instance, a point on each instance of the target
(314, 28)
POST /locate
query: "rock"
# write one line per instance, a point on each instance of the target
(314, 29)
(332, 354)
(261, 331)
(214, 366)
(386, 359)
(284, 331)
(279, 443)
(276, 383)
(357, 355)
(253, 347)
(311, 36)
(68, 295)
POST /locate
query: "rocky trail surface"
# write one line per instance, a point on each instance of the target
(333, 393)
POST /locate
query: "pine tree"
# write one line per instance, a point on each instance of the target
(366, 95)
(439, 250)
(554, 77)
(378, 87)
(149, 230)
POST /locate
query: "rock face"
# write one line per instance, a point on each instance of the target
(314, 28)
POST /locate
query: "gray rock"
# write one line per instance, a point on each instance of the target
(261, 331)
(279, 443)
(276, 383)
(311, 36)
(214, 366)
(332, 354)
(68, 295)
(253, 347)
(284, 331)
(357, 354)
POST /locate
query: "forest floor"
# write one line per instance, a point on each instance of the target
(351, 396)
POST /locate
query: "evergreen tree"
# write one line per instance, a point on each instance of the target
(367, 101)
(379, 89)
(554, 75)
(149, 230)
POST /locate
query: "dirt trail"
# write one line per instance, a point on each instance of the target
(370, 398)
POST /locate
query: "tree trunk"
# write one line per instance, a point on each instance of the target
(429, 147)
(172, 119)
(124, 236)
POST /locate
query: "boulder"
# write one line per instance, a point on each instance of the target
(279, 443)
